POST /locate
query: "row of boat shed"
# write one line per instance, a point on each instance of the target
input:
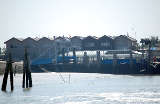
(46, 47)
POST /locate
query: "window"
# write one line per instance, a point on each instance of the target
(105, 44)
(12, 46)
(90, 44)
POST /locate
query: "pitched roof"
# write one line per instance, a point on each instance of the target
(104, 36)
(124, 36)
(91, 37)
(29, 38)
(79, 37)
(19, 40)
(44, 38)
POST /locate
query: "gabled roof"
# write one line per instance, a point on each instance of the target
(36, 38)
(78, 37)
(127, 37)
(19, 40)
(62, 38)
(90, 37)
(44, 38)
(29, 38)
(105, 37)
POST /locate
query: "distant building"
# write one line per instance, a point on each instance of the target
(62, 43)
(48, 48)
(15, 47)
(124, 42)
(32, 47)
(90, 43)
(36, 48)
(76, 42)
(105, 43)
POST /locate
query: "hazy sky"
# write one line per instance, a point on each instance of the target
(37, 18)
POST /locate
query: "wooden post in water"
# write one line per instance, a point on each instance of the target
(27, 78)
(98, 60)
(149, 54)
(86, 60)
(29, 73)
(114, 63)
(24, 76)
(26, 68)
(63, 55)
(131, 61)
(11, 74)
(98, 57)
(7, 70)
(74, 55)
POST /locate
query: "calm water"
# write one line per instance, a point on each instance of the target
(51, 88)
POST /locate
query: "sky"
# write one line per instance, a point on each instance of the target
(48, 18)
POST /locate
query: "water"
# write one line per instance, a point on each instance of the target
(84, 88)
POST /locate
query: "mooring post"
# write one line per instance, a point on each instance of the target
(11, 74)
(98, 57)
(114, 63)
(24, 75)
(26, 78)
(7, 69)
(149, 54)
(74, 55)
(29, 72)
(30, 79)
(4, 83)
(98, 60)
(63, 55)
(131, 60)
(85, 59)
(26, 71)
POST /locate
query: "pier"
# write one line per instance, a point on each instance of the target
(111, 61)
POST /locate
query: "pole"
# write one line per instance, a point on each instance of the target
(114, 63)
(4, 83)
(27, 78)
(74, 55)
(7, 70)
(63, 55)
(131, 60)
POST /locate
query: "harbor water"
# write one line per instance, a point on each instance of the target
(84, 88)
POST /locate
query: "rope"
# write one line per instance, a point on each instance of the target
(45, 70)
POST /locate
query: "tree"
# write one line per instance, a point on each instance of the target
(3, 50)
(152, 41)
(145, 42)
(0, 51)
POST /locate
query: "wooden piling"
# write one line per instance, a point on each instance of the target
(11, 77)
(85, 59)
(98, 60)
(7, 70)
(27, 79)
(131, 60)
(74, 55)
(30, 79)
(114, 63)
(24, 75)
(29, 72)
(63, 55)
(4, 83)
(98, 57)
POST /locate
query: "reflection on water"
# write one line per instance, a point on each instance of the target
(78, 88)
